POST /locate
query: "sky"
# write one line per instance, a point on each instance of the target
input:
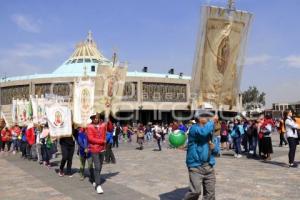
(38, 36)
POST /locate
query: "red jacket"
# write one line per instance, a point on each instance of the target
(96, 137)
(110, 127)
(5, 135)
(30, 136)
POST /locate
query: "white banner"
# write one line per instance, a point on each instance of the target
(14, 111)
(83, 101)
(22, 106)
(59, 120)
(38, 109)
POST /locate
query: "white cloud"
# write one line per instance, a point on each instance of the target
(24, 59)
(26, 23)
(292, 61)
(258, 60)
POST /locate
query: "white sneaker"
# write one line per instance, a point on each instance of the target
(99, 189)
(94, 184)
(239, 156)
(235, 155)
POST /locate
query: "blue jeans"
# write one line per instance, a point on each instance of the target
(253, 144)
(15, 143)
(98, 162)
(237, 145)
(218, 141)
(149, 136)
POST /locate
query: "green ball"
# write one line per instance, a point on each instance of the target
(177, 138)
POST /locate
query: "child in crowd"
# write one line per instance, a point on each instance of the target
(15, 132)
(84, 155)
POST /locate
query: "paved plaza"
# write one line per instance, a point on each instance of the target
(150, 174)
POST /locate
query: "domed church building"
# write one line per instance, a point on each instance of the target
(146, 96)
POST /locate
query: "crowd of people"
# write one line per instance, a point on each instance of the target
(205, 136)
(96, 141)
(34, 142)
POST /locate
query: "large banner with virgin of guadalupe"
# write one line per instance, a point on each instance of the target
(219, 57)
(59, 120)
(109, 86)
(38, 110)
(83, 101)
(24, 111)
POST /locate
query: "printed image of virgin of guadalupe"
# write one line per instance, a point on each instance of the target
(85, 99)
(58, 119)
(223, 55)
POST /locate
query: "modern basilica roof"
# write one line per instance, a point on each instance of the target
(84, 60)
(85, 55)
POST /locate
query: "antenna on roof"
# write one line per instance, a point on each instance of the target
(90, 36)
(115, 57)
(231, 5)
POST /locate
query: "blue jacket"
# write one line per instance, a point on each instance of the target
(109, 138)
(23, 138)
(182, 127)
(237, 131)
(83, 144)
(198, 147)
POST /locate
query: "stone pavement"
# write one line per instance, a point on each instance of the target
(152, 174)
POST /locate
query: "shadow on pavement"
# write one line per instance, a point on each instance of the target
(177, 194)
(229, 154)
(280, 164)
(104, 177)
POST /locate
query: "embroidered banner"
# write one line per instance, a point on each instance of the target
(83, 101)
(109, 86)
(219, 57)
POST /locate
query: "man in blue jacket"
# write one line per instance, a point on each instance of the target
(200, 157)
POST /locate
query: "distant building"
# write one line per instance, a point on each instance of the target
(295, 106)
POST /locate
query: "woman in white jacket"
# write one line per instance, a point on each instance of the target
(292, 136)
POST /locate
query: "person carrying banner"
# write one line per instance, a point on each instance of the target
(46, 144)
(67, 145)
(200, 160)
(96, 132)
(30, 137)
